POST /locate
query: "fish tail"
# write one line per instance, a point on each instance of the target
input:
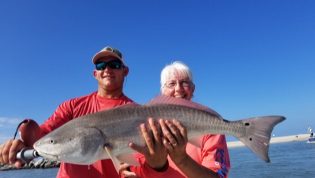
(258, 133)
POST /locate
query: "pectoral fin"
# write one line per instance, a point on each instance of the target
(115, 161)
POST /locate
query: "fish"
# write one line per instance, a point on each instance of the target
(106, 134)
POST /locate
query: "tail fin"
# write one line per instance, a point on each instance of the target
(258, 132)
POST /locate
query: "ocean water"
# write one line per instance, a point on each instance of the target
(30, 173)
(289, 160)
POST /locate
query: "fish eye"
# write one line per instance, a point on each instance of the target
(52, 141)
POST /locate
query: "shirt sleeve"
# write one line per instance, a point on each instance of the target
(61, 115)
(215, 154)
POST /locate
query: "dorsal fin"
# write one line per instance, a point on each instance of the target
(161, 99)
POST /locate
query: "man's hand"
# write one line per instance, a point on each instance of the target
(125, 171)
(155, 153)
(9, 150)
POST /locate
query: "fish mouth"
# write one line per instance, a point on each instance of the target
(48, 156)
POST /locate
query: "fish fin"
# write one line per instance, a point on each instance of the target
(196, 141)
(113, 158)
(258, 133)
(161, 99)
(129, 159)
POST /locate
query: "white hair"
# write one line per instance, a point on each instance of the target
(177, 68)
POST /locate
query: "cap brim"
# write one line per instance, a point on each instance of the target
(105, 54)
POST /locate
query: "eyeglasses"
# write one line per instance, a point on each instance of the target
(183, 83)
(113, 64)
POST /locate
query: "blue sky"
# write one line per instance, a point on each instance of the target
(249, 58)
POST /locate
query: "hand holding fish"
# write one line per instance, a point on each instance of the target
(175, 139)
(154, 151)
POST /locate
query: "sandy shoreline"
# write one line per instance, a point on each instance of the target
(290, 138)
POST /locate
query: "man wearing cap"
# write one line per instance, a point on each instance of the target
(110, 72)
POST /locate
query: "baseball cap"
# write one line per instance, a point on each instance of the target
(109, 52)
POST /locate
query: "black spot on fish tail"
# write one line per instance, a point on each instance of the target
(258, 133)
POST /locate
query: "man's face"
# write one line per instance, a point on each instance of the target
(110, 74)
(179, 87)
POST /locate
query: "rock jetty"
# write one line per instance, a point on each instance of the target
(36, 163)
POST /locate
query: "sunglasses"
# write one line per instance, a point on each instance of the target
(114, 64)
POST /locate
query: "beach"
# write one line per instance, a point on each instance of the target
(273, 140)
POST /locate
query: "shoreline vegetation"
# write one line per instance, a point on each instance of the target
(44, 163)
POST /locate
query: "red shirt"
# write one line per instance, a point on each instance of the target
(213, 154)
(74, 108)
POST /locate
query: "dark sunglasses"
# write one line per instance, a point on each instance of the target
(114, 64)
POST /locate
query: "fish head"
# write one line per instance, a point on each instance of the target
(79, 145)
